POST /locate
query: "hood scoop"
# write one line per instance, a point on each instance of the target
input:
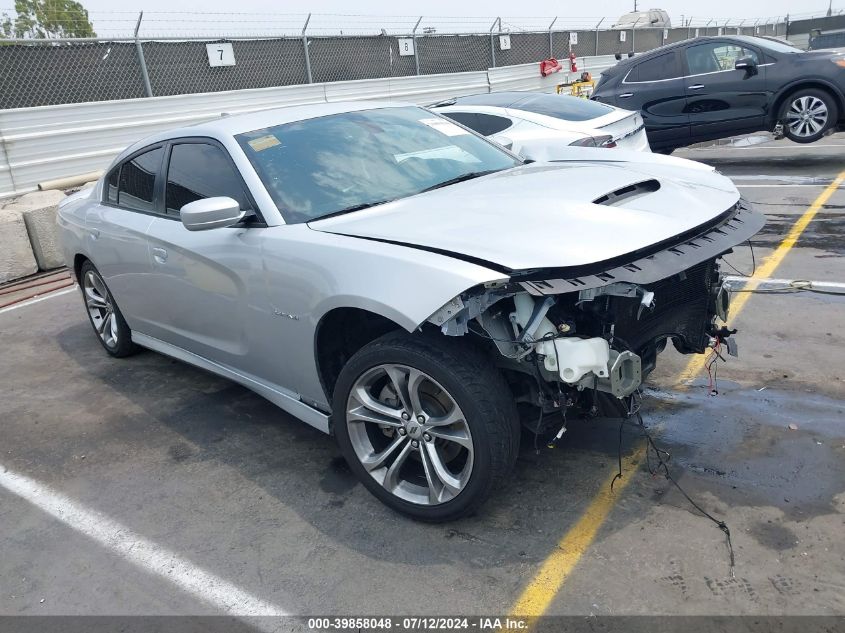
(628, 192)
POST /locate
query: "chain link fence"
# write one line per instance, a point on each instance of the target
(48, 72)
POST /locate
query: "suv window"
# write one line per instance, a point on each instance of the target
(664, 66)
(197, 171)
(716, 56)
(137, 181)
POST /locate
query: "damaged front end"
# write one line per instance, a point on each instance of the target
(600, 327)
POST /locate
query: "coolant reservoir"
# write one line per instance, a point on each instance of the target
(574, 357)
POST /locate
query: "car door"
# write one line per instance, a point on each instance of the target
(720, 99)
(205, 281)
(117, 228)
(655, 87)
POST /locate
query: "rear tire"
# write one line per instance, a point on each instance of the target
(427, 424)
(807, 115)
(103, 314)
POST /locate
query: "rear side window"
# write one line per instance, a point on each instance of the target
(485, 124)
(136, 186)
(491, 124)
(201, 170)
(562, 107)
(469, 119)
(661, 67)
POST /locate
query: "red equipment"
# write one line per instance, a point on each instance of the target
(549, 66)
(572, 66)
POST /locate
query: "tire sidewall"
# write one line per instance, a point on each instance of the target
(832, 114)
(124, 345)
(480, 481)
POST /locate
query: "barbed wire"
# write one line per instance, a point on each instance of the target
(233, 23)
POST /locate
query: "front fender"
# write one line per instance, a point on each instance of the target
(308, 273)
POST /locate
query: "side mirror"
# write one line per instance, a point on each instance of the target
(504, 141)
(745, 63)
(211, 213)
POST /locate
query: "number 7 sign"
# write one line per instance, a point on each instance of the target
(221, 54)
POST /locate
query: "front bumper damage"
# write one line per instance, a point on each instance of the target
(601, 326)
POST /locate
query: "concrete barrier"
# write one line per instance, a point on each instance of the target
(16, 258)
(38, 211)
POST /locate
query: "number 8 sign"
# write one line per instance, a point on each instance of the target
(406, 46)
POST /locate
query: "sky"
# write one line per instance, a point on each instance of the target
(716, 8)
(198, 17)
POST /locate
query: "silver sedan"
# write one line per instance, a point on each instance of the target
(394, 279)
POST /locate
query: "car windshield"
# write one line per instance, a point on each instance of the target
(346, 162)
(563, 107)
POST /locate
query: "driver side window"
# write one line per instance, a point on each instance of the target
(715, 57)
(197, 171)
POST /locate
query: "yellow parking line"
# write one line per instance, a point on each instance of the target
(767, 267)
(547, 582)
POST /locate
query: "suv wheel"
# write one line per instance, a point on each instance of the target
(105, 317)
(427, 425)
(807, 114)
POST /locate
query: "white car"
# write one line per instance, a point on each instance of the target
(520, 120)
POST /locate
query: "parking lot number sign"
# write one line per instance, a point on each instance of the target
(220, 54)
(505, 42)
(406, 46)
(573, 39)
(622, 36)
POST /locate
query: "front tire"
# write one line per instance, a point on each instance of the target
(807, 114)
(429, 426)
(105, 317)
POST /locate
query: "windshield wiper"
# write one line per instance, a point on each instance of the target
(461, 178)
(354, 207)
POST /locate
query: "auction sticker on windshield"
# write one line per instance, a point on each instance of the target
(445, 127)
(264, 142)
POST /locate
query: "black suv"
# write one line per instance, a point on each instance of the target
(712, 87)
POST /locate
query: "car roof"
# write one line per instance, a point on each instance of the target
(232, 125)
(504, 99)
(627, 62)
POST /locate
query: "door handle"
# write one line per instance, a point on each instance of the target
(695, 87)
(625, 95)
(160, 255)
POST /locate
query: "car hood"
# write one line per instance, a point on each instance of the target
(550, 215)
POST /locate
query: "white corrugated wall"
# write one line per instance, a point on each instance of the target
(47, 142)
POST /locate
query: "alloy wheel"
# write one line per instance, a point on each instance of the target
(409, 434)
(100, 308)
(807, 116)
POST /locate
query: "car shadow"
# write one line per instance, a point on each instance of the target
(224, 423)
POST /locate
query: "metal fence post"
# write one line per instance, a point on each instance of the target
(416, 50)
(493, 48)
(634, 36)
(597, 35)
(305, 50)
(551, 36)
(148, 89)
